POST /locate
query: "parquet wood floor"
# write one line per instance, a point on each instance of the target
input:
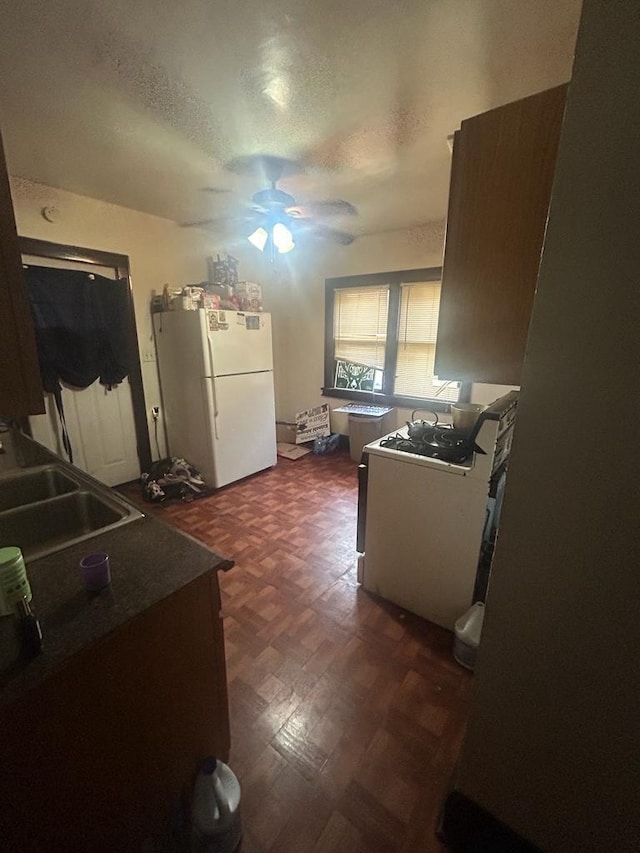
(347, 713)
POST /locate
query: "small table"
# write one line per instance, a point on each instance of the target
(365, 425)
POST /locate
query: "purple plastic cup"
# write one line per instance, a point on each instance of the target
(95, 571)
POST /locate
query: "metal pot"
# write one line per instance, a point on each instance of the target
(465, 415)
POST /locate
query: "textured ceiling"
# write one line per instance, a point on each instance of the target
(141, 103)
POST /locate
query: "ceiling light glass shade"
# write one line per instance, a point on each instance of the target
(282, 238)
(259, 238)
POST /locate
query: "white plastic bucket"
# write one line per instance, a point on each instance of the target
(215, 809)
(468, 630)
(363, 429)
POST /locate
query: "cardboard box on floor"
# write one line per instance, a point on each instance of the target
(285, 432)
(286, 442)
(291, 451)
(294, 440)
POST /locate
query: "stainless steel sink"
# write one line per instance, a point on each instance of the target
(51, 507)
(34, 484)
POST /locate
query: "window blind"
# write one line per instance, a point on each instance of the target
(419, 307)
(360, 324)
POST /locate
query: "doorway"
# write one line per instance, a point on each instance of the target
(107, 428)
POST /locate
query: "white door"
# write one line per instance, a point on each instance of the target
(100, 423)
(101, 430)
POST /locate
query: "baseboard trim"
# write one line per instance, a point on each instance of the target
(465, 827)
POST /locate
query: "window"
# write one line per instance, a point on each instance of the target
(360, 317)
(381, 339)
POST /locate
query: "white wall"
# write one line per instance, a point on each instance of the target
(159, 252)
(552, 747)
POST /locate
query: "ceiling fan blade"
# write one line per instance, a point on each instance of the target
(215, 190)
(335, 207)
(257, 209)
(322, 232)
(199, 223)
(227, 221)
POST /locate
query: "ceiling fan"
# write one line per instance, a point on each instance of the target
(273, 219)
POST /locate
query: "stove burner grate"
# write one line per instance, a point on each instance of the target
(436, 441)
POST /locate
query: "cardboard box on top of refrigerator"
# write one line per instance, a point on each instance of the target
(249, 295)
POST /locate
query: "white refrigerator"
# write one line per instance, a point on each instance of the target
(216, 378)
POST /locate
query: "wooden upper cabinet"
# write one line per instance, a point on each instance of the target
(501, 178)
(20, 386)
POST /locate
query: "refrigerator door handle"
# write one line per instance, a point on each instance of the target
(215, 408)
(210, 394)
(213, 389)
(210, 348)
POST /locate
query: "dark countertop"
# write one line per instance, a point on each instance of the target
(149, 561)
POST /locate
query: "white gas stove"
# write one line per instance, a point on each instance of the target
(421, 531)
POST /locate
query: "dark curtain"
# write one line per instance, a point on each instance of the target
(81, 323)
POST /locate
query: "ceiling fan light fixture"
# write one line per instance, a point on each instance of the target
(259, 238)
(282, 238)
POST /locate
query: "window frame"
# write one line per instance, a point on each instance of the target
(394, 280)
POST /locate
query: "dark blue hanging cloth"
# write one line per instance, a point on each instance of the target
(81, 326)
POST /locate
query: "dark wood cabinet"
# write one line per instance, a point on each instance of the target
(20, 387)
(98, 755)
(501, 179)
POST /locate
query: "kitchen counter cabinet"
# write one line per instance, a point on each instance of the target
(96, 757)
(501, 180)
(101, 733)
(20, 386)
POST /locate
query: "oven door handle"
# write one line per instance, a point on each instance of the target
(363, 482)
